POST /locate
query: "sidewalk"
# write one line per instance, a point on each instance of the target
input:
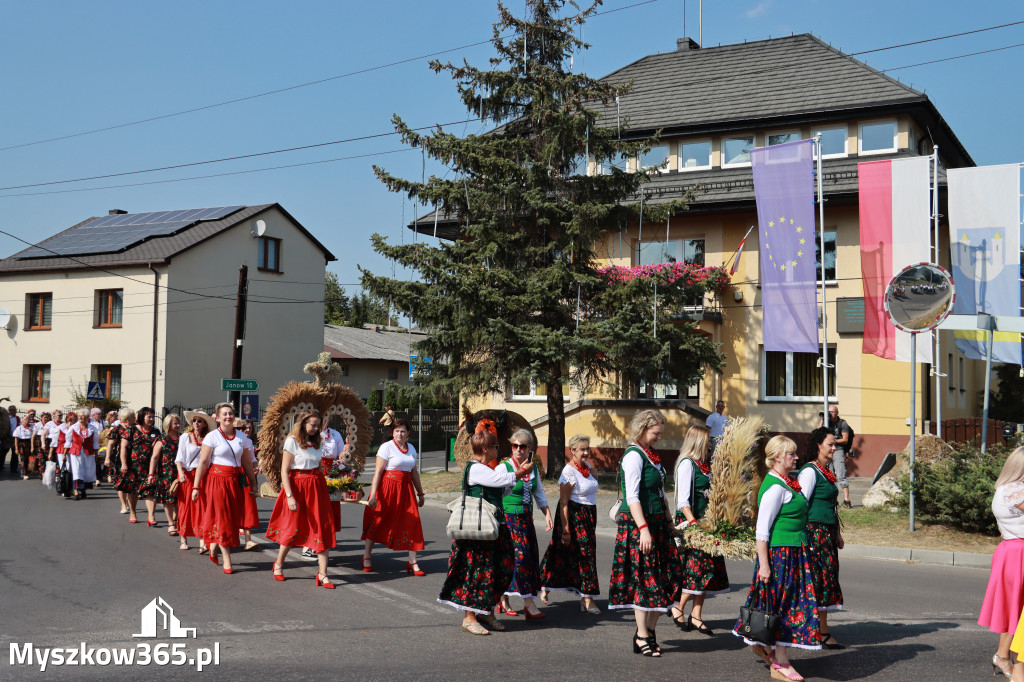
(434, 462)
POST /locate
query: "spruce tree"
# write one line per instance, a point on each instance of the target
(518, 296)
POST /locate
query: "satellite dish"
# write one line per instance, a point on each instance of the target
(919, 297)
(5, 318)
(259, 228)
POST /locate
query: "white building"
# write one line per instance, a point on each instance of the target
(145, 303)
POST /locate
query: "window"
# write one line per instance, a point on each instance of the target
(795, 377)
(110, 377)
(830, 256)
(693, 391)
(782, 138)
(694, 155)
(392, 374)
(949, 372)
(876, 138)
(37, 383)
(833, 142)
(656, 158)
(40, 311)
(532, 389)
(675, 250)
(343, 368)
(578, 166)
(109, 307)
(620, 161)
(268, 256)
(736, 150)
(961, 377)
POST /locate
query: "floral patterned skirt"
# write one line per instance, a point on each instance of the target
(133, 481)
(526, 572)
(395, 521)
(312, 523)
(479, 572)
(702, 572)
(648, 582)
(824, 551)
(573, 566)
(166, 473)
(790, 594)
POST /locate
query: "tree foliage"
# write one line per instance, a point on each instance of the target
(518, 296)
(337, 308)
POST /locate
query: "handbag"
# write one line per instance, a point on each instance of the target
(50, 475)
(172, 489)
(613, 511)
(65, 484)
(757, 625)
(243, 479)
(471, 521)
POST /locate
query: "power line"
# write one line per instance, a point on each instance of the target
(959, 56)
(932, 40)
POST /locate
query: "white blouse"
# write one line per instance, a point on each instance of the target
(481, 474)
(188, 452)
(684, 472)
(1009, 517)
(52, 429)
(302, 458)
(632, 468)
(771, 504)
(226, 452)
(584, 490)
(396, 459)
(807, 479)
(22, 433)
(331, 444)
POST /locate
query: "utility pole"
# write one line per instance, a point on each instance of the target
(235, 397)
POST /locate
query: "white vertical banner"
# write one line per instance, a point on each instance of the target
(911, 235)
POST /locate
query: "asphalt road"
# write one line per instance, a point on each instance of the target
(73, 572)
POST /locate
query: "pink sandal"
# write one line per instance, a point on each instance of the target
(777, 673)
(764, 653)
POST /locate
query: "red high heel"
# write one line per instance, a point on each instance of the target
(150, 523)
(534, 616)
(323, 583)
(276, 569)
(213, 558)
(133, 520)
(229, 571)
(367, 565)
(508, 612)
(410, 570)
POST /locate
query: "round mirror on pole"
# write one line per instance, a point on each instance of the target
(919, 297)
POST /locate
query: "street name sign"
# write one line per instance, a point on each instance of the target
(239, 385)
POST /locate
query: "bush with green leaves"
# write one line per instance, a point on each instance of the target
(958, 490)
(374, 404)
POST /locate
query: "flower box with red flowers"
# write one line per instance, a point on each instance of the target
(343, 483)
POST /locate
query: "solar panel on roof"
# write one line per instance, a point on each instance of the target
(118, 232)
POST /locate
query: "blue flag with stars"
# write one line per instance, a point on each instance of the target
(784, 189)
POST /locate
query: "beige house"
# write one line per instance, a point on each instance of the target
(712, 106)
(145, 303)
(371, 356)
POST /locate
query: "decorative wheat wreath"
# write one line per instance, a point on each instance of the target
(326, 399)
(504, 422)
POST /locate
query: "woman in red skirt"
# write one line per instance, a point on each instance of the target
(392, 515)
(302, 514)
(250, 513)
(224, 477)
(190, 512)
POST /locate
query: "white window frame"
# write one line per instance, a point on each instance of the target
(665, 165)
(679, 155)
(789, 397)
(889, 150)
(532, 395)
(846, 141)
(768, 136)
(640, 247)
(742, 164)
(601, 166)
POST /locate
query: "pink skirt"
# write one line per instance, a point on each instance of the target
(1004, 598)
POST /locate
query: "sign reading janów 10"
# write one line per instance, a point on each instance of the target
(239, 385)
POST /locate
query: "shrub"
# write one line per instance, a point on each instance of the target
(374, 404)
(957, 491)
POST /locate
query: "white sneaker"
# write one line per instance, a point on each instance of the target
(308, 553)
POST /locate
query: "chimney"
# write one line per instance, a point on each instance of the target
(686, 44)
(117, 211)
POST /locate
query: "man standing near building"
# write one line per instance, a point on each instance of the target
(716, 423)
(844, 444)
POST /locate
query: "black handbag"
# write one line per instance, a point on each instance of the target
(757, 625)
(64, 483)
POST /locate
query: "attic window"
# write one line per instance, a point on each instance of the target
(695, 155)
(655, 159)
(268, 254)
(833, 142)
(736, 150)
(878, 137)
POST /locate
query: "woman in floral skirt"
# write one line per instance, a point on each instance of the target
(136, 450)
(114, 459)
(703, 574)
(824, 539)
(163, 472)
(479, 571)
(782, 582)
(646, 570)
(570, 562)
(518, 508)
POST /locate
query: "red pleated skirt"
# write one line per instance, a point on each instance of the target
(395, 521)
(327, 463)
(190, 514)
(250, 513)
(223, 505)
(312, 523)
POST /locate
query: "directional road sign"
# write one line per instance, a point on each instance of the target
(239, 385)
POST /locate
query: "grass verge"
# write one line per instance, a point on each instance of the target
(879, 526)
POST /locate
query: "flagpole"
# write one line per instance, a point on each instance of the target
(937, 360)
(734, 253)
(824, 304)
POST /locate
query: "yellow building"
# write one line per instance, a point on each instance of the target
(712, 107)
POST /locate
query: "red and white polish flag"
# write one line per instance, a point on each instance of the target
(895, 231)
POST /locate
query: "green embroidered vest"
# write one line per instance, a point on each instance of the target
(698, 492)
(513, 502)
(651, 485)
(492, 495)
(788, 528)
(821, 508)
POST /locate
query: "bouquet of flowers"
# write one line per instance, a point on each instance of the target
(343, 481)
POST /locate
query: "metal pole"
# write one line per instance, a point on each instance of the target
(913, 420)
(937, 360)
(824, 304)
(988, 385)
(419, 439)
(700, 24)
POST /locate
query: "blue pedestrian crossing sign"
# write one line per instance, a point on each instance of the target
(97, 390)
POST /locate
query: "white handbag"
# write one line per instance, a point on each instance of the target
(613, 512)
(472, 519)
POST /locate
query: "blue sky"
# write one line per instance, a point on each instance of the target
(71, 67)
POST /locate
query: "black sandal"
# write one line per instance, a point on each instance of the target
(646, 649)
(825, 637)
(682, 622)
(702, 628)
(653, 639)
